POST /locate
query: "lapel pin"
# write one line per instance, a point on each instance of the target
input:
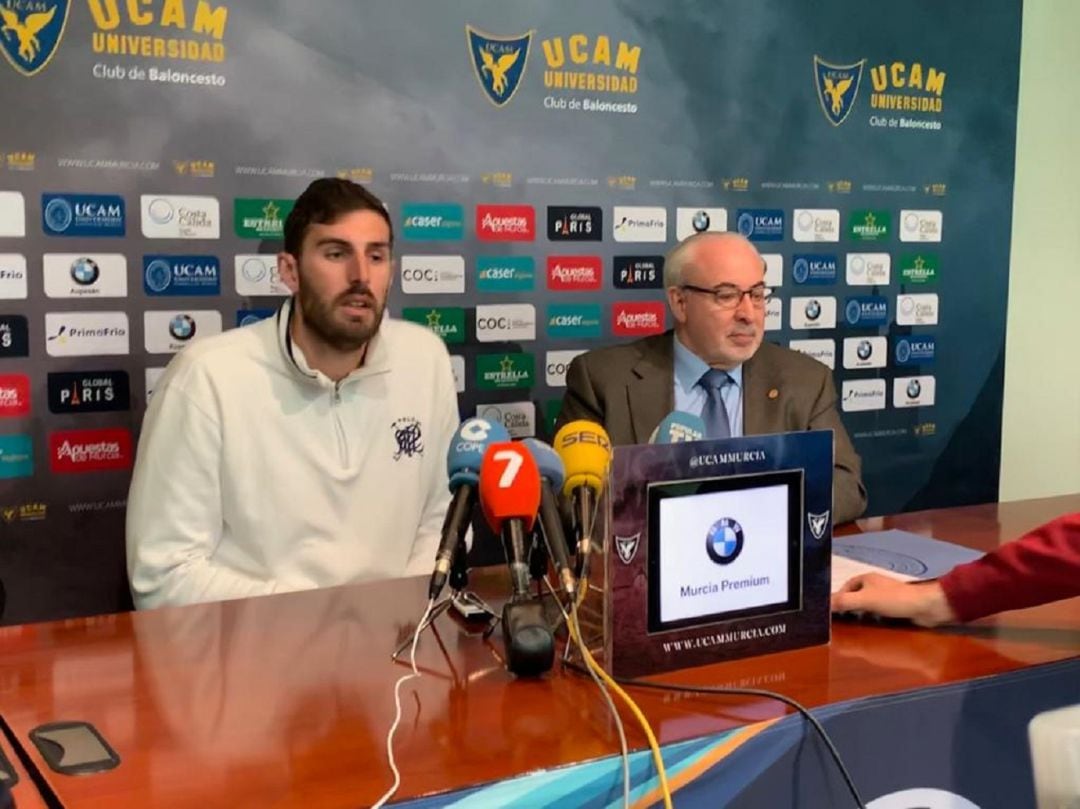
(773, 393)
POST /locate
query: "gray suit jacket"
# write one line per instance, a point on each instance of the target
(629, 389)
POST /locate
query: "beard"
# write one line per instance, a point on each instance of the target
(326, 320)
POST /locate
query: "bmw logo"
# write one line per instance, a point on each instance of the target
(903, 351)
(161, 211)
(724, 542)
(800, 270)
(182, 327)
(813, 310)
(84, 271)
(853, 312)
(158, 275)
(864, 349)
(914, 389)
(746, 224)
(58, 214)
(701, 221)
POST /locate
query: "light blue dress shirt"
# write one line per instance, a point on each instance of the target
(690, 396)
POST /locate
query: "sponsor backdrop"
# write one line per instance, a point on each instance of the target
(537, 164)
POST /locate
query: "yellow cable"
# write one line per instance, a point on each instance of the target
(658, 761)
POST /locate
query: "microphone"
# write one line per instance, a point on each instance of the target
(551, 480)
(463, 468)
(510, 498)
(585, 450)
(678, 426)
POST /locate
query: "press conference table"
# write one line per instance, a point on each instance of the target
(286, 700)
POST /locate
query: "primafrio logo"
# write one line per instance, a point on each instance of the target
(502, 322)
(95, 215)
(30, 33)
(13, 276)
(181, 275)
(169, 332)
(774, 314)
(89, 450)
(824, 351)
(257, 275)
(89, 392)
(813, 313)
(498, 62)
(566, 224)
(82, 334)
(837, 88)
(774, 269)
(862, 394)
(505, 223)
(815, 225)
(426, 275)
(638, 223)
(920, 226)
(865, 352)
(574, 273)
(85, 275)
(760, 224)
(689, 221)
(12, 214)
(180, 217)
(868, 269)
(519, 418)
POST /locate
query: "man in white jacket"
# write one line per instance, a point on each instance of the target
(307, 450)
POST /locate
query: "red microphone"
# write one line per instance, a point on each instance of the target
(510, 498)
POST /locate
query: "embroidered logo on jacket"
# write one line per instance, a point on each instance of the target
(410, 441)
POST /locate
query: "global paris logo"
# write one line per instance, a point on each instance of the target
(498, 62)
(30, 32)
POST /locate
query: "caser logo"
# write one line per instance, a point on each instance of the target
(425, 275)
(862, 394)
(637, 319)
(505, 223)
(498, 323)
(89, 450)
(574, 273)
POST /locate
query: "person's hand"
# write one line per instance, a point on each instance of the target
(923, 603)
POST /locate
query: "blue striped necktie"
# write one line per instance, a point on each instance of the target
(715, 414)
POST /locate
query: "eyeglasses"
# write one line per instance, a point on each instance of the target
(728, 296)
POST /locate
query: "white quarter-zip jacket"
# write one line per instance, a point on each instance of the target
(256, 474)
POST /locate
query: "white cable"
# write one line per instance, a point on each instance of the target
(397, 709)
(610, 703)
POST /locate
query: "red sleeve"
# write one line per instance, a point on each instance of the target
(1039, 567)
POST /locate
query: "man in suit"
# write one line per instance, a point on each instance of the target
(714, 365)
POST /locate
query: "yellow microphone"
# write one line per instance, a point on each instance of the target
(585, 450)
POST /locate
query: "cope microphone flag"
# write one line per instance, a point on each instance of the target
(463, 462)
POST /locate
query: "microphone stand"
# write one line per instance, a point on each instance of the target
(458, 581)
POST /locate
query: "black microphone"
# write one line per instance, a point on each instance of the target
(463, 468)
(551, 481)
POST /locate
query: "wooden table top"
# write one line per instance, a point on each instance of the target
(286, 700)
